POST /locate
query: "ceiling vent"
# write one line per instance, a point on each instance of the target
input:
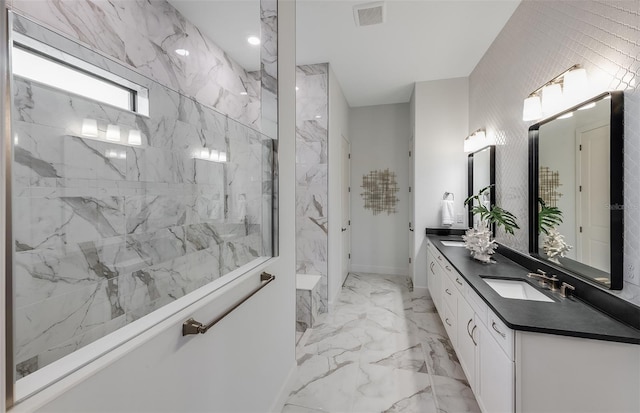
(368, 14)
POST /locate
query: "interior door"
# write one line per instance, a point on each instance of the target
(346, 207)
(594, 225)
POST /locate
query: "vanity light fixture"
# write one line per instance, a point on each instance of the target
(253, 40)
(211, 155)
(478, 140)
(113, 133)
(563, 91)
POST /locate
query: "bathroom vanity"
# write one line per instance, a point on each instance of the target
(525, 348)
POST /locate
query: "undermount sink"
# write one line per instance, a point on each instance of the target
(453, 243)
(516, 289)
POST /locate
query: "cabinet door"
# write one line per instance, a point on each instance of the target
(433, 279)
(495, 387)
(466, 349)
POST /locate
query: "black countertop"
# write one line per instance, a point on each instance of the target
(564, 316)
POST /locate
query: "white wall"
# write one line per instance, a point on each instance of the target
(441, 114)
(540, 40)
(242, 364)
(338, 127)
(380, 140)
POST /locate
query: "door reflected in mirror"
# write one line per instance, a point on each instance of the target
(576, 193)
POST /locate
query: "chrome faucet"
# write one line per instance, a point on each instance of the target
(564, 288)
(551, 282)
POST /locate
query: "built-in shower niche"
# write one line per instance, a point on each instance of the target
(106, 232)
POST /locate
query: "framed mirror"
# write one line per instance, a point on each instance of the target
(576, 190)
(482, 173)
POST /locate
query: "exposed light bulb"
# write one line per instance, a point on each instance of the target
(551, 99)
(575, 86)
(532, 109)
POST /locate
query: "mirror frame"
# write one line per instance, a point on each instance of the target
(492, 181)
(616, 196)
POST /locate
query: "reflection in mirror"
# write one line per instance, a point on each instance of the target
(576, 185)
(482, 173)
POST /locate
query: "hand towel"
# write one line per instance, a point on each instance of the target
(448, 213)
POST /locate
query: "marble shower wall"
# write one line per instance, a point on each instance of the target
(542, 39)
(106, 233)
(312, 135)
(143, 34)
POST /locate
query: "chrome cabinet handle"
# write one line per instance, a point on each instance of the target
(447, 291)
(431, 268)
(458, 281)
(439, 258)
(473, 339)
(447, 268)
(468, 324)
(494, 326)
(446, 320)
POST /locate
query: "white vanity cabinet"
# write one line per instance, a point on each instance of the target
(467, 319)
(530, 372)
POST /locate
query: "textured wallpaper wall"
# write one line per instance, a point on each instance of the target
(542, 39)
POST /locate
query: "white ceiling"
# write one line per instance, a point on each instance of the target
(420, 40)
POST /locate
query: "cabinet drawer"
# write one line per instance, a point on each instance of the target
(450, 294)
(449, 321)
(502, 334)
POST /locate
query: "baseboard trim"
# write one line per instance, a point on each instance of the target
(285, 390)
(404, 271)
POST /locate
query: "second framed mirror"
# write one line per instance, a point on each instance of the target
(482, 173)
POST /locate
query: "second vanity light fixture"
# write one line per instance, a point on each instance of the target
(567, 89)
(478, 140)
(113, 133)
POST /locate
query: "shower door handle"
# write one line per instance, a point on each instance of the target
(192, 326)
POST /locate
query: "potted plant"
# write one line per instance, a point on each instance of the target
(480, 240)
(548, 218)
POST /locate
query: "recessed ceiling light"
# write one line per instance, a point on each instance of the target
(182, 52)
(253, 40)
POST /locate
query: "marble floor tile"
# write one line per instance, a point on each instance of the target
(441, 358)
(380, 388)
(453, 395)
(381, 348)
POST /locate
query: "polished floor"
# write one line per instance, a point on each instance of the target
(382, 348)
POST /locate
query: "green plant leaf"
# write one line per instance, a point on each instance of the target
(548, 217)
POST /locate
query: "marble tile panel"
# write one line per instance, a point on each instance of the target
(44, 273)
(148, 213)
(144, 35)
(40, 326)
(304, 318)
(159, 246)
(292, 408)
